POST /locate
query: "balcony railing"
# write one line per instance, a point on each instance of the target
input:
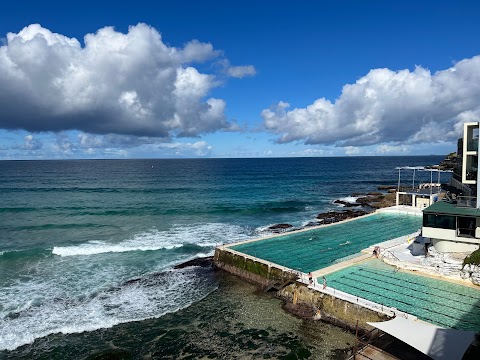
(466, 201)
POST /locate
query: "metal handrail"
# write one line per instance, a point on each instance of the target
(391, 253)
(358, 300)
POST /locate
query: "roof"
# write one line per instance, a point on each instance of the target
(422, 168)
(446, 208)
(432, 340)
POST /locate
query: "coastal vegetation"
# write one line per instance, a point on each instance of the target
(472, 259)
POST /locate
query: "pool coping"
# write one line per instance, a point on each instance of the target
(421, 272)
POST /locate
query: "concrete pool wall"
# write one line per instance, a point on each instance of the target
(298, 295)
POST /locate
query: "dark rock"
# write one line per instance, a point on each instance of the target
(358, 194)
(303, 311)
(374, 193)
(386, 187)
(203, 262)
(336, 216)
(346, 203)
(279, 227)
(312, 223)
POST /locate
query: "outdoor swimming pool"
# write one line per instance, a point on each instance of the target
(315, 249)
(440, 302)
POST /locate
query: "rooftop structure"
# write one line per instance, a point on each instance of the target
(425, 194)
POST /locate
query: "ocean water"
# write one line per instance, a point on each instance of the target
(91, 244)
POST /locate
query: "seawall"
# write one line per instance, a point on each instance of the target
(299, 298)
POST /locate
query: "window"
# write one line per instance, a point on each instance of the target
(439, 221)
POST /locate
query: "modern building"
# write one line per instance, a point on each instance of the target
(453, 224)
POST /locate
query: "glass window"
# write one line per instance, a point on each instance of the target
(439, 221)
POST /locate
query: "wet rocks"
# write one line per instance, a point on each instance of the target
(335, 216)
(372, 200)
(278, 228)
(346, 203)
(378, 200)
(202, 262)
(386, 187)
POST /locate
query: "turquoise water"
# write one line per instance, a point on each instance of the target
(439, 302)
(316, 249)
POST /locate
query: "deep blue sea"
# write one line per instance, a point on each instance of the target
(90, 244)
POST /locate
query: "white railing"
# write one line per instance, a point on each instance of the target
(459, 185)
(359, 301)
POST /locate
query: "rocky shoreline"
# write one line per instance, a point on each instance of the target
(364, 204)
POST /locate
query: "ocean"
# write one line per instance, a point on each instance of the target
(87, 250)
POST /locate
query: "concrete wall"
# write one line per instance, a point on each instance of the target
(453, 246)
(446, 240)
(299, 298)
(254, 270)
(331, 309)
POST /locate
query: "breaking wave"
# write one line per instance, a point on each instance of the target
(203, 235)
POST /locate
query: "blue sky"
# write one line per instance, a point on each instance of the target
(237, 78)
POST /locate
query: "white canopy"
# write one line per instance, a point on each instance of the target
(434, 341)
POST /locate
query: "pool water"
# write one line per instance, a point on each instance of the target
(315, 249)
(440, 302)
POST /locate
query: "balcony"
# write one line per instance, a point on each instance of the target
(466, 201)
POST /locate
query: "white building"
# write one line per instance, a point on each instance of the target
(454, 226)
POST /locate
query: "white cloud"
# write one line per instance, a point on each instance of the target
(385, 149)
(386, 106)
(195, 51)
(241, 71)
(199, 148)
(352, 150)
(119, 83)
(29, 144)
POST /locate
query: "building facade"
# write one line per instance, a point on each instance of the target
(453, 225)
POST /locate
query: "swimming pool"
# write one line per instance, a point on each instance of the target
(440, 302)
(315, 249)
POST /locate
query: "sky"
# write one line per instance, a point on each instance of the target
(168, 79)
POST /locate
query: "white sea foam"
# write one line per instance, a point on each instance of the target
(350, 199)
(147, 298)
(73, 293)
(205, 235)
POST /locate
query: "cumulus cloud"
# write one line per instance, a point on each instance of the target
(385, 149)
(241, 71)
(386, 106)
(199, 148)
(29, 144)
(67, 144)
(195, 51)
(132, 84)
(352, 150)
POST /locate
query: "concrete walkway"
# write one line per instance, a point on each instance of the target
(341, 265)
